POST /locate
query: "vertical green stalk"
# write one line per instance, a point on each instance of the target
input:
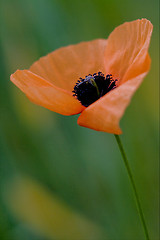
(126, 163)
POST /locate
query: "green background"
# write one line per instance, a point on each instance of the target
(82, 167)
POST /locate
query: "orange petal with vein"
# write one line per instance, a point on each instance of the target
(43, 93)
(126, 54)
(64, 66)
(105, 114)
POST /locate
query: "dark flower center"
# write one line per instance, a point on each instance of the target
(89, 89)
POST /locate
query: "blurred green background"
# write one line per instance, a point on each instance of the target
(58, 180)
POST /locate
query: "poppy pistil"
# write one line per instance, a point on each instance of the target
(89, 89)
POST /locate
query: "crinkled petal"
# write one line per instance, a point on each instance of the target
(64, 66)
(105, 114)
(43, 93)
(126, 53)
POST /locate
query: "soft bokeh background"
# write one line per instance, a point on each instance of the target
(58, 180)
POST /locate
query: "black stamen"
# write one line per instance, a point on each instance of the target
(89, 89)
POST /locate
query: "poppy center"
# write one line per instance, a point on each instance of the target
(89, 89)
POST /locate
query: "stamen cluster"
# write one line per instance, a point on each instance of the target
(89, 89)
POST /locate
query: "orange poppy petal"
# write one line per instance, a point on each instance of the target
(105, 114)
(126, 54)
(66, 65)
(43, 93)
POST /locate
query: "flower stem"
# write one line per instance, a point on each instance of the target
(133, 185)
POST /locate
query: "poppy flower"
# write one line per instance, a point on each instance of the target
(109, 72)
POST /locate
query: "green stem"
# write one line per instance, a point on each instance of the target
(133, 185)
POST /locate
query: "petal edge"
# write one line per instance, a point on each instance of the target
(127, 49)
(43, 93)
